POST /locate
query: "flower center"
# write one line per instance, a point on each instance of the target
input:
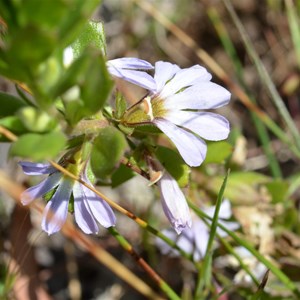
(145, 111)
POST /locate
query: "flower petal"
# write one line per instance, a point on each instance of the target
(232, 226)
(201, 236)
(185, 78)
(99, 208)
(30, 168)
(225, 210)
(83, 215)
(164, 71)
(205, 95)
(174, 203)
(191, 148)
(139, 78)
(56, 210)
(185, 241)
(40, 189)
(210, 126)
(131, 63)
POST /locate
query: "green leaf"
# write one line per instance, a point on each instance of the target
(91, 35)
(217, 152)
(109, 147)
(13, 124)
(39, 146)
(85, 86)
(242, 187)
(278, 190)
(36, 120)
(174, 164)
(121, 175)
(9, 104)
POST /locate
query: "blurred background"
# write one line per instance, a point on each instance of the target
(265, 178)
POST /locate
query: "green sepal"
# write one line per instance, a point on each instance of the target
(121, 106)
(174, 164)
(109, 148)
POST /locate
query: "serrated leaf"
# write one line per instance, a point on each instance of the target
(108, 149)
(39, 146)
(174, 164)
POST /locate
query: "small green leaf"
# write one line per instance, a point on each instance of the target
(9, 104)
(35, 120)
(217, 152)
(85, 86)
(39, 146)
(13, 124)
(278, 190)
(109, 147)
(91, 35)
(174, 164)
(121, 175)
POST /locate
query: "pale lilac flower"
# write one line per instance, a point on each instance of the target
(194, 240)
(173, 106)
(130, 69)
(174, 203)
(88, 207)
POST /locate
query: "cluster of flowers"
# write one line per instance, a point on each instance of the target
(173, 103)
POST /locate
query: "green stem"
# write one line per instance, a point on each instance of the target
(260, 127)
(264, 75)
(204, 277)
(160, 282)
(277, 272)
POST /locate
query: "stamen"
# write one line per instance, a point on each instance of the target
(147, 107)
(155, 176)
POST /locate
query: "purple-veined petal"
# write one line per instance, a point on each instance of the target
(83, 215)
(139, 78)
(164, 71)
(30, 168)
(99, 208)
(204, 95)
(210, 126)
(56, 210)
(191, 148)
(174, 203)
(40, 189)
(131, 63)
(201, 236)
(185, 78)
